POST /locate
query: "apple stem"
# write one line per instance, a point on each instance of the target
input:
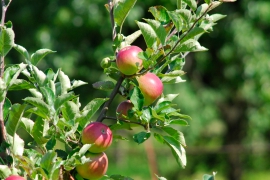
(105, 108)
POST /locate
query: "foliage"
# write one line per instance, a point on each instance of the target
(53, 116)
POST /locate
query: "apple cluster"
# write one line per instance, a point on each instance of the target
(99, 136)
(150, 85)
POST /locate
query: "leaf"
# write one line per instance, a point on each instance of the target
(17, 144)
(27, 124)
(160, 14)
(148, 33)
(4, 171)
(39, 131)
(192, 4)
(185, 15)
(48, 161)
(177, 135)
(70, 110)
(180, 122)
(23, 52)
(40, 104)
(7, 40)
(104, 85)
(194, 32)
(208, 1)
(160, 178)
(40, 54)
(176, 19)
(51, 143)
(217, 17)
(40, 77)
(201, 10)
(159, 30)
(167, 97)
(62, 99)
(84, 149)
(20, 84)
(3, 89)
(7, 107)
(12, 73)
(89, 110)
(122, 10)
(15, 115)
(77, 83)
(136, 97)
(132, 37)
(48, 95)
(209, 177)
(65, 82)
(172, 80)
(141, 137)
(190, 45)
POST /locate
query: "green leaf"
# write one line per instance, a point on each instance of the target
(77, 83)
(160, 14)
(208, 1)
(51, 143)
(39, 131)
(7, 40)
(40, 104)
(201, 10)
(141, 137)
(122, 10)
(40, 54)
(15, 115)
(159, 30)
(12, 73)
(62, 99)
(192, 4)
(190, 45)
(136, 97)
(84, 149)
(209, 177)
(3, 89)
(23, 52)
(7, 106)
(40, 77)
(176, 19)
(17, 144)
(160, 178)
(48, 161)
(217, 17)
(65, 82)
(89, 110)
(177, 135)
(48, 95)
(27, 124)
(146, 115)
(148, 33)
(167, 97)
(70, 110)
(132, 37)
(20, 84)
(194, 32)
(104, 85)
(180, 122)
(172, 80)
(4, 171)
(178, 151)
(185, 15)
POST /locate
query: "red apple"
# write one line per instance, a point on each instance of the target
(123, 108)
(14, 177)
(150, 86)
(127, 61)
(94, 169)
(97, 134)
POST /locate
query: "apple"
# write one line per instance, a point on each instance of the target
(151, 87)
(123, 108)
(94, 169)
(127, 61)
(14, 177)
(97, 134)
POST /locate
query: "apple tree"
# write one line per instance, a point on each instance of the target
(67, 141)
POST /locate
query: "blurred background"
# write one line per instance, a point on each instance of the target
(227, 92)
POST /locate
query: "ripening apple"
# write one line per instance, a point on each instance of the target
(94, 169)
(97, 134)
(123, 108)
(127, 61)
(14, 177)
(151, 87)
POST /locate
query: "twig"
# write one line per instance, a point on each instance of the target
(105, 108)
(111, 7)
